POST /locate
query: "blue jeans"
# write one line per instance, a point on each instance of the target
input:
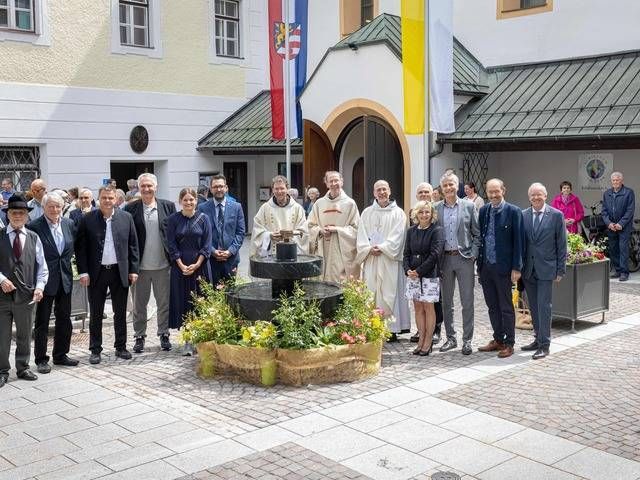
(619, 249)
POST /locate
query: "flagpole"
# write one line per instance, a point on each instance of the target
(287, 100)
(427, 97)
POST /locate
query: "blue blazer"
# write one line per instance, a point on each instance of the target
(619, 208)
(232, 234)
(509, 235)
(59, 265)
(546, 250)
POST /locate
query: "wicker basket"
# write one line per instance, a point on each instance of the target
(253, 365)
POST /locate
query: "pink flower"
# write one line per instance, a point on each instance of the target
(357, 323)
(220, 286)
(331, 324)
(378, 311)
(361, 338)
(347, 338)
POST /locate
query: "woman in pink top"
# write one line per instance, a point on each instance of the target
(570, 206)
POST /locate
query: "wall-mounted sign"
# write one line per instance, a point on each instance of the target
(139, 139)
(594, 170)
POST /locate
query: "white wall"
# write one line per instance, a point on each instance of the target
(575, 28)
(81, 131)
(324, 30)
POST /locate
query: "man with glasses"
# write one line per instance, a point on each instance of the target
(38, 190)
(23, 276)
(85, 205)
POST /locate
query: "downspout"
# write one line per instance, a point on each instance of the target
(433, 153)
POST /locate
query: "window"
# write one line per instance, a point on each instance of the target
(356, 14)
(17, 15)
(366, 12)
(227, 28)
(134, 23)
(20, 164)
(517, 8)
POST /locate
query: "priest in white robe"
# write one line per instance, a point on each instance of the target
(380, 243)
(280, 212)
(333, 228)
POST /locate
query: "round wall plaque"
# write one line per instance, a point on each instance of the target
(139, 139)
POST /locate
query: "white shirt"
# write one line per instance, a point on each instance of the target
(57, 234)
(42, 274)
(544, 207)
(109, 251)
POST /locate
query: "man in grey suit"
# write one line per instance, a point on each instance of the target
(459, 219)
(544, 262)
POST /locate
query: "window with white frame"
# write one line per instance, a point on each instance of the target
(17, 15)
(134, 23)
(227, 28)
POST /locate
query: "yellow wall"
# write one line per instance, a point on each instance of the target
(80, 53)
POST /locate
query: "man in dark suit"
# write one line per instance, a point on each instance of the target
(500, 265)
(618, 209)
(85, 205)
(23, 275)
(149, 216)
(227, 221)
(107, 256)
(57, 235)
(544, 262)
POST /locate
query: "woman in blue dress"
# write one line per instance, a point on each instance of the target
(189, 240)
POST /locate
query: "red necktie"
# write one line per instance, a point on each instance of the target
(17, 246)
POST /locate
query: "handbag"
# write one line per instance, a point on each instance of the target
(422, 289)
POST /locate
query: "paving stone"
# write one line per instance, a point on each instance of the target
(596, 465)
(524, 469)
(389, 463)
(15, 440)
(432, 385)
(158, 470)
(482, 427)
(396, 396)
(135, 456)
(467, 455)
(38, 451)
(34, 468)
(96, 451)
(309, 424)
(20, 427)
(189, 440)
(539, 446)
(5, 465)
(339, 443)
(413, 435)
(352, 410)
(463, 375)
(158, 434)
(97, 435)
(146, 421)
(14, 402)
(45, 432)
(432, 410)
(97, 407)
(97, 395)
(118, 413)
(376, 421)
(81, 471)
(207, 456)
(266, 438)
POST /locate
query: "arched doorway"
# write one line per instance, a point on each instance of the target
(368, 150)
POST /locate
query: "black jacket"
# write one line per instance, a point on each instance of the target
(59, 265)
(90, 244)
(423, 250)
(136, 209)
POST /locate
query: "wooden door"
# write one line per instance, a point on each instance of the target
(358, 188)
(383, 159)
(317, 154)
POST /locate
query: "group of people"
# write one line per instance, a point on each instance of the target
(149, 245)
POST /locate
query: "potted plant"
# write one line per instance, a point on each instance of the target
(584, 289)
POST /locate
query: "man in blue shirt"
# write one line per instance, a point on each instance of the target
(618, 208)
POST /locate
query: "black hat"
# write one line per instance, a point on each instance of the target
(17, 202)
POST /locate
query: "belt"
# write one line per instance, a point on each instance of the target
(109, 267)
(452, 252)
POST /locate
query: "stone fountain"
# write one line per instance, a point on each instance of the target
(256, 300)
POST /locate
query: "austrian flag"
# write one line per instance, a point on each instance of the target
(296, 24)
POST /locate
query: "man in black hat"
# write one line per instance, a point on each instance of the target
(23, 275)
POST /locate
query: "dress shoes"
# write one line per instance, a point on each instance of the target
(65, 361)
(507, 351)
(393, 338)
(450, 344)
(95, 358)
(27, 375)
(165, 344)
(415, 338)
(532, 347)
(43, 367)
(466, 348)
(492, 346)
(436, 338)
(138, 347)
(3, 380)
(123, 354)
(614, 275)
(623, 277)
(540, 353)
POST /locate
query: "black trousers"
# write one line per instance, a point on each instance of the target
(108, 279)
(221, 271)
(62, 335)
(439, 317)
(496, 288)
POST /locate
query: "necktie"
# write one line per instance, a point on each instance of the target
(17, 246)
(536, 222)
(220, 217)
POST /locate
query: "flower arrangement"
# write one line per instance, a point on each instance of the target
(261, 335)
(578, 251)
(212, 318)
(357, 320)
(298, 320)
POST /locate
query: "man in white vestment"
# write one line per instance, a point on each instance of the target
(280, 212)
(333, 228)
(380, 242)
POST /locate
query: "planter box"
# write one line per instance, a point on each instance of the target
(584, 290)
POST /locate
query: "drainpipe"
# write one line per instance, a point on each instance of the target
(430, 154)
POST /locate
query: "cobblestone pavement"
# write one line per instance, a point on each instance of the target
(152, 417)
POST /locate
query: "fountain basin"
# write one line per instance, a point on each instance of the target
(269, 267)
(254, 300)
